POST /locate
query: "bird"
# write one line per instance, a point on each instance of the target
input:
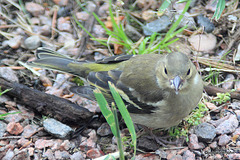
(159, 90)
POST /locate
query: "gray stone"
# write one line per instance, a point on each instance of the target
(205, 132)
(132, 33)
(3, 127)
(57, 128)
(8, 74)
(32, 42)
(104, 130)
(223, 140)
(158, 25)
(206, 23)
(228, 126)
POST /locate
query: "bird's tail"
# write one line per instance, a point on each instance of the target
(50, 59)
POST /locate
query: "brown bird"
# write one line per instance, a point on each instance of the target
(159, 90)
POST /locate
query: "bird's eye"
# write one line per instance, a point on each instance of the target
(188, 72)
(165, 70)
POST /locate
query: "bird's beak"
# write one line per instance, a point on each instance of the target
(177, 83)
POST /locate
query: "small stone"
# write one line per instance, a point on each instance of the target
(228, 81)
(61, 2)
(8, 74)
(158, 25)
(90, 142)
(238, 144)
(29, 130)
(65, 36)
(57, 128)
(77, 156)
(104, 130)
(57, 144)
(218, 156)
(213, 145)
(15, 42)
(228, 126)
(14, 128)
(22, 155)
(205, 132)
(48, 154)
(211, 106)
(223, 140)
(132, 33)
(188, 155)
(3, 128)
(63, 24)
(206, 23)
(83, 16)
(236, 132)
(193, 142)
(32, 42)
(66, 145)
(93, 153)
(149, 15)
(45, 20)
(22, 142)
(62, 155)
(233, 156)
(103, 9)
(31, 151)
(9, 155)
(161, 153)
(41, 143)
(186, 20)
(203, 42)
(147, 144)
(34, 8)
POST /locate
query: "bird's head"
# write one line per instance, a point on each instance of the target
(175, 71)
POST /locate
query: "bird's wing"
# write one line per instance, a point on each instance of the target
(114, 59)
(100, 81)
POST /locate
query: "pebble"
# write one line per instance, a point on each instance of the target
(205, 23)
(9, 155)
(42, 143)
(14, 128)
(93, 153)
(48, 154)
(63, 24)
(158, 25)
(3, 128)
(29, 130)
(65, 36)
(103, 9)
(77, 156)
(213, 145)
(233, 156)
(83, 16)
(32, 42)
(205, 132)
(61, 154)
(132, 33)
(227, 126)
(9, 74)
(228, 81)
(188, 155)
(61, 2)
(193, 142)
(210, 105)
(90, 142)
(203, 42)
(223, 140)
(34, 8)
(57, 128)
(22, 142)
(104, 130)
(15, 42)
(149, 15)
(186, 20)
(45, 20)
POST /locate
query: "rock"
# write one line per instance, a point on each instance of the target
(236, 132)
(3, 128)
(32, 42)
(104, 130)
(211, 106)
(228, 81)
(57, 128)
(65, 36)
(205, 23)
(237, 56)
(15, 42)
(228, 126)
(223, 140)
(233, 156)
(45, 20)
(176, 157)
(29, 130)
(205, 132)
(147, 144)
(149, 15)
(66, 145)
(48, 154)
(22, 142)
(83, 16)
(132, 33)
(213, 145)
(41, 143)
(77, 156)
(8, 74)
(90, 142)
(34, 8)
(158, 25)
(161, 153)
(57, 144)
(93, 153)
(14, 128)
(103, 9)
(63, 24)
(203, 42)
(193, 142)
(188, 155)
(22, 155)
(61, 155)
(61, 2)
(9, 155)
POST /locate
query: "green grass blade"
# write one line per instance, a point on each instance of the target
(107, 113)
(219, 10)
(125, 114)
